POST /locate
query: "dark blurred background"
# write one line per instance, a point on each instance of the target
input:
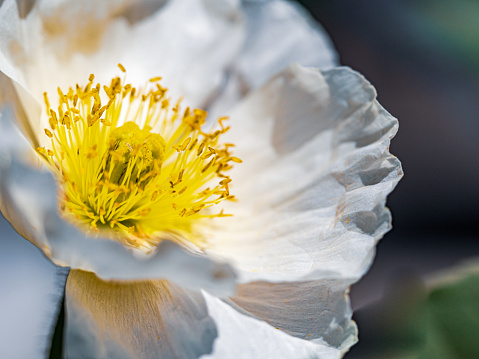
(423, 58)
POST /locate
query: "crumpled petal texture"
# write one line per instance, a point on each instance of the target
(316, 311)
(312, 191)
(317, 144)
(153, 319)
(244, 337)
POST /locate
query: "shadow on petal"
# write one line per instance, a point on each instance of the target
(245, 337)
(147, 319)
(314, 311)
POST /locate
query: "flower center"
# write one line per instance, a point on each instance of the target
(136, 168)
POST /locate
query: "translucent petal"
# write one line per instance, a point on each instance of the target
(278, 33)
(61, 43)
(142, 319)
(281, 33)
(313, 185)
(244, 337)
(317, 311)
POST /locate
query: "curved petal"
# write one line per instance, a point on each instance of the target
(279, 33)
(313, 185)
(317, 311)
(31, 294)
(190, 43)
(28, 199)
(11, 79)
(134, 320)
(244, 337)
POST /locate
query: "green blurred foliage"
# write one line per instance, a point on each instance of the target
(450, 27)
(441, 322)
(456, 25)
(451, 317)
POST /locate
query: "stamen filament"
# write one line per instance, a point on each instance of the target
(136, 167)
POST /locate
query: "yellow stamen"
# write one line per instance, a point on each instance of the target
(130, 165)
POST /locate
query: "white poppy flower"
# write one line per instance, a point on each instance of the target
(310, 190)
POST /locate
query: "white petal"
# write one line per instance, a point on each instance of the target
(11, 33)
(190, 43)
(279, 33)
(28, 199)
(315, 177)
(316, 311)
(137, 320)
(30, 297)
(240, 336)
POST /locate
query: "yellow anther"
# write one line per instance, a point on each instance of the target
(207, 155)
(70, 94)
(121, 68)
(47, 103)
(60, 93)
(183, 146)
(208, 165)
(200, 113)
(48, 133)
(135, 167)
(107, 90)
(225, 181)
(201, 148)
